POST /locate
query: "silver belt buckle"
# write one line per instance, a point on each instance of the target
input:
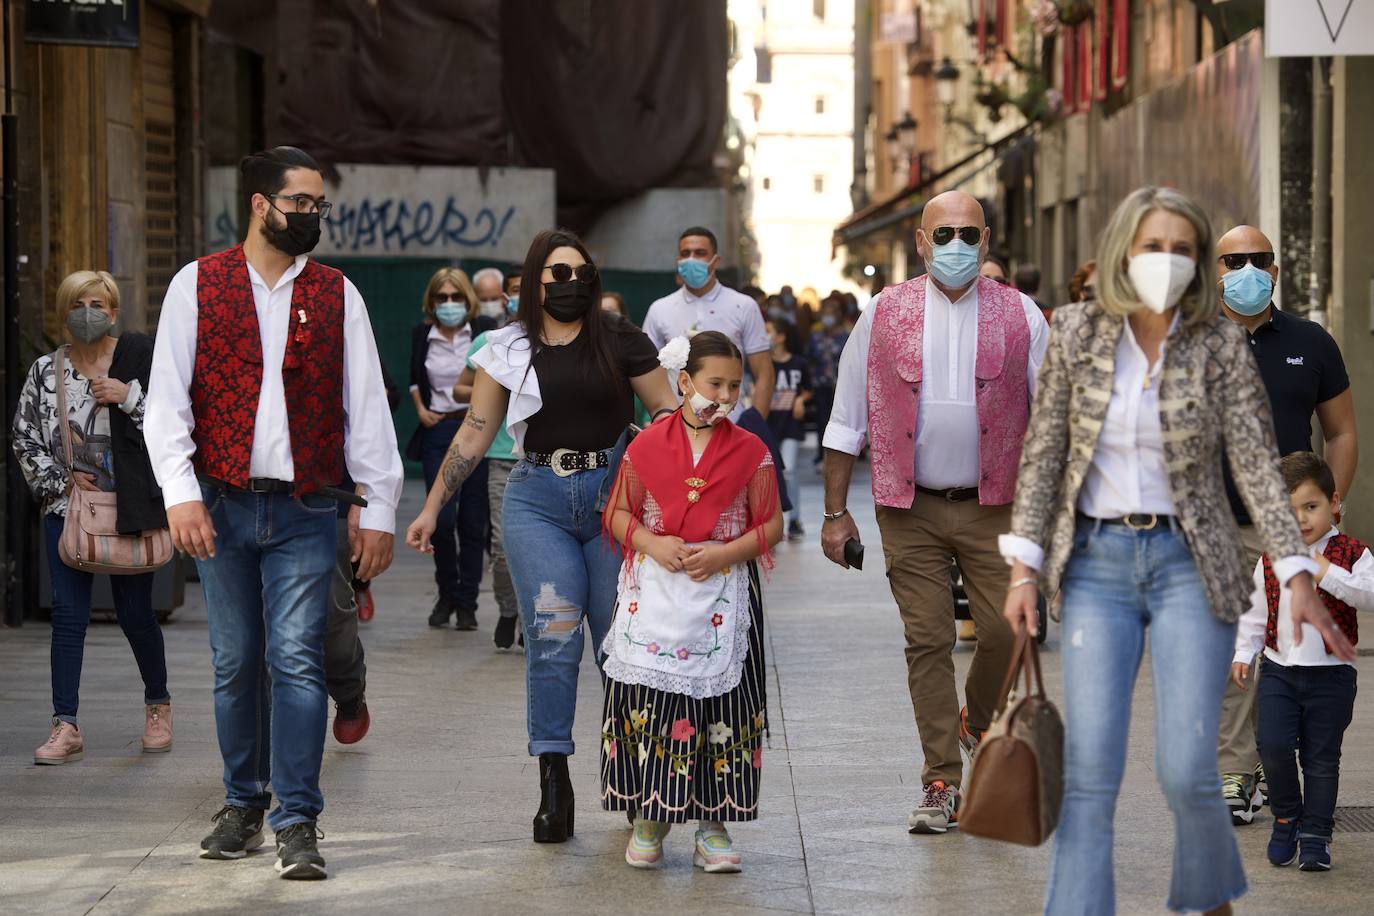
(556, 462)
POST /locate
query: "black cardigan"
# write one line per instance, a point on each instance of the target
(138, 499)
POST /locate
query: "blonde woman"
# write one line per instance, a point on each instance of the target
(105, 379)
(1120, 507)
(438, 355)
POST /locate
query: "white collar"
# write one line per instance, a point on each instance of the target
(709, 296)
(290, 274)
(436, 334)
(932, 291)
(1320, 546)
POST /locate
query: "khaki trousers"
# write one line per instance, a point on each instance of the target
(1237, 751)
(919, 544)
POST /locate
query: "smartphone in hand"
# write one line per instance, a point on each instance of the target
(854, 553)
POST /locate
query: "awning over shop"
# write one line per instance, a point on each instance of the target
(910, 201)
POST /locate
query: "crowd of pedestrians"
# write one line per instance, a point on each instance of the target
(1141, 454)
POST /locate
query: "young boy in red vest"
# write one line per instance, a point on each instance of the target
(1306, 694)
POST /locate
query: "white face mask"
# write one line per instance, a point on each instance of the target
(709, 411)
(492, 308)
(1160, 278)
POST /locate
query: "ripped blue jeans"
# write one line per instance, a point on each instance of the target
(565, 573)
(1120, 586)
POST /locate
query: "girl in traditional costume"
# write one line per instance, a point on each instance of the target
(695, 505)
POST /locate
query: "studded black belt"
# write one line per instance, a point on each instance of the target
(566, 462)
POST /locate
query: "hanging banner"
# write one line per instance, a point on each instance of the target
(107, 23)
(1318, 28)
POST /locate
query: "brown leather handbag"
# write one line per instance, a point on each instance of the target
(1017, 781)
(90, 533)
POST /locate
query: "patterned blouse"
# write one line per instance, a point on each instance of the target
(825, 357)
(38, 437)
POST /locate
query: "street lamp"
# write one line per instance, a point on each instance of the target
(945, 78)
(906, 134)
(894, 144)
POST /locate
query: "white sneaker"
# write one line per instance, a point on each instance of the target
(938, 810)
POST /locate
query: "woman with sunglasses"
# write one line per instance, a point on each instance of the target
(438, 354)
(564, 376)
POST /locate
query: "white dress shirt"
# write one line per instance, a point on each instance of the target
(1355, 588)
(444, 362)
(682, 314)
(947, 412)
(371, 457)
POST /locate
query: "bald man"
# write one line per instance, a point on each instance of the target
(1304, 375)
(938, 376)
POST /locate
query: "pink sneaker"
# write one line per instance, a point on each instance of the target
(157, 728)
(63, 745)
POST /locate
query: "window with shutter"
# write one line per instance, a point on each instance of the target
(160, 155)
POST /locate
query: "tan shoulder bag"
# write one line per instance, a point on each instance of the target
(91, 541)
(1017, 781)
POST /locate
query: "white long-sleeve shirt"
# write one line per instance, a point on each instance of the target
(369, 438)
(947, 412)
(1355, 588)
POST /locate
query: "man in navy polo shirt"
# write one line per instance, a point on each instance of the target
(1304, 374)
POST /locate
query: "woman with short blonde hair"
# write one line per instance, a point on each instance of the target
(1120, 509)
(438, 355)
(104, 380)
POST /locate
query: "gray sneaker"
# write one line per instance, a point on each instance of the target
(1242, 797)
(938, 810)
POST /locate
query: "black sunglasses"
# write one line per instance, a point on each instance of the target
(1261, 259)
(562, 273)
(441, 298)
(969, 235)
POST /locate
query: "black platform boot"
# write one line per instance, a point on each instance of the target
(554, 822)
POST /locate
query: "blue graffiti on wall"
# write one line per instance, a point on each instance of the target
(392, 224)
(224, 231)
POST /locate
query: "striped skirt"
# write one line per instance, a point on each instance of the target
(671, 758)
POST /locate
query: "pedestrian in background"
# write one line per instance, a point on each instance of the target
(1083, 284)
(1027, 280)
(265, 388)
(1304, 376)
(1120, 508)
(791, 392)
(614, 302)
(564, 376)
(438, 355)
(823, 351)
(993, 269)
(937, 377)
(105, 383)
(488, 284)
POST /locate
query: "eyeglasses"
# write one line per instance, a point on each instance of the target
(304, 203)
(969, 235)
(1261, 259)
(441, 298)
(562, 273)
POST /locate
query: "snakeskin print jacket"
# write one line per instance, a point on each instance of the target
(1210, 395)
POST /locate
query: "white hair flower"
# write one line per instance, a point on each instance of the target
(673, 356)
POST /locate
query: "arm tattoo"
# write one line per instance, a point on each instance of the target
(456, 469)
(477, 422)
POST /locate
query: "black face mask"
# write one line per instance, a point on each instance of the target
(301, 235)
(567, 302)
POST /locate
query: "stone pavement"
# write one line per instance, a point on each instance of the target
(431, 813)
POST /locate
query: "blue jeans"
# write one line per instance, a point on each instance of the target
(71, 612)
(267, 597)
(1119, 583)
(460, 535)
(565, 575)
(1304, 711)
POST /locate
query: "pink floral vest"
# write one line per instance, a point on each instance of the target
(894, 390)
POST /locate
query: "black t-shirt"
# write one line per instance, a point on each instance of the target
(582, 409)
(793, 377)
(1301, 367)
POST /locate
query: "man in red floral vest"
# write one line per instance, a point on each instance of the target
(1307, 694)
(937, 377)
(266, 388)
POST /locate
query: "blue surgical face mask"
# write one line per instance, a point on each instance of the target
(694, 273)
(451, 314)
(954, 264)
(1247, 291)
(514, 304)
